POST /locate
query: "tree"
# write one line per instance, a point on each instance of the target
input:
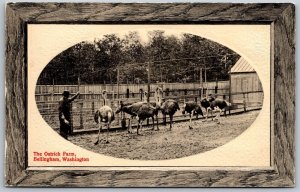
(133, 50)
(173, 59)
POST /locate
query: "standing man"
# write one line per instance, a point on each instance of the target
(64, 113)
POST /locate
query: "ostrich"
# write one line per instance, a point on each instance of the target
(131, 109)
(215, 104)
(206, 105)
(141, 111)
(144, 112)
(154, 105)
(106, 115)
(135, 110)
(192, 108)
(168, 107)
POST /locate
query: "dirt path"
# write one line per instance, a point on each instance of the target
(166, 144)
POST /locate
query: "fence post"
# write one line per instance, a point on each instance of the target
(200, 93)
(148, 86)
(205, 79)
(185, 91)
(123, 121)
(71, 119)
(81, 115)
(93, 106)
(216, 87)
(229, 95)
(141, 94)
(93, 102)
(167, 91)
(53, 89)
(118, 83)
(244, 102)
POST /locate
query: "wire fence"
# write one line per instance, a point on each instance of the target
(122, 91)
(83, 108)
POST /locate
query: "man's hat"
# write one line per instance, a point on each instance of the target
(66, 93)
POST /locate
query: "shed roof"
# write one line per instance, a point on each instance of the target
(242, 66)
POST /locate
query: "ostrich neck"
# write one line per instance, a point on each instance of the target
(104, 100)
(158, 99)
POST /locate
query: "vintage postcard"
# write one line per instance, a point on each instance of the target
(149, 96)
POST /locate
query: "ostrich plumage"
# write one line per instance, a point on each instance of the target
(104, 115)
(141, 110)
(215, 104)
(169, 107)
(192, 108)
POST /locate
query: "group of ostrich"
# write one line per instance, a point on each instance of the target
(143, 110)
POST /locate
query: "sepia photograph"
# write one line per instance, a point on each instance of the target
(149, 96)
(148, 93)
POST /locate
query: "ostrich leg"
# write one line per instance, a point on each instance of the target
(211, 113)
(190, 126)
(157, 122)
(140, 125)
(128, 129)
(164, 119)
(100, 129)
(171, 121)
(130, 125)
(152, 123)
(206, 115)
(218, 115)
(107, 132)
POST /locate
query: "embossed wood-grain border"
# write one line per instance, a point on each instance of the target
(281, 17)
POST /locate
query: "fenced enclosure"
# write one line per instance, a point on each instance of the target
(53, 92)
(90, 99)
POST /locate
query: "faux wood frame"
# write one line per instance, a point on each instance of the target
(281, 17)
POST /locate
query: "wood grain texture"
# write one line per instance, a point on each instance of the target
(284, 72)
(217, 178)
(188, 12)
(280, 16)
(15, 98)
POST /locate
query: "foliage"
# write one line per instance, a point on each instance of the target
(172, 59)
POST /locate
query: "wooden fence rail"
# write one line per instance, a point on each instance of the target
(83, 109)
(98, 88)
(114, 91)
